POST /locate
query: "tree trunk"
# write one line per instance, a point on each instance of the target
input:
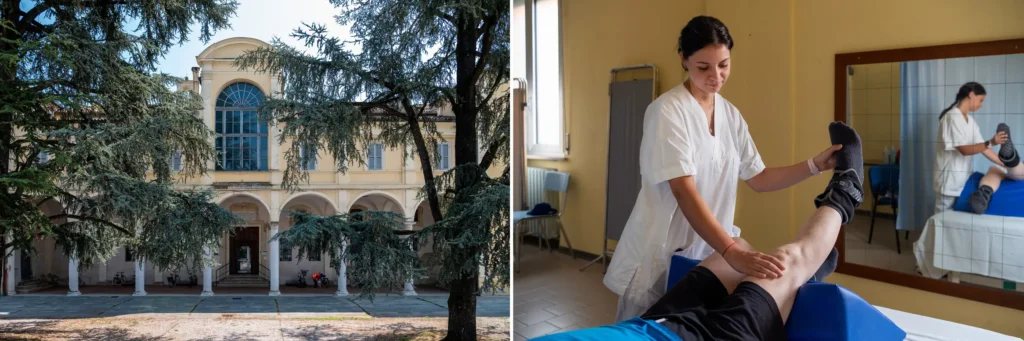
(8, 76)
(462, 309)
(462, 299)
(428, 171)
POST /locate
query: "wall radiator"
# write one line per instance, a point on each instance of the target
(536, 194)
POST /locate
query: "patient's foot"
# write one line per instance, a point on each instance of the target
(828, 267)
(1007, 153)
(980, 199)
(845, 191)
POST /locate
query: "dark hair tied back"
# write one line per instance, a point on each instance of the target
(700, 32)
(965, 90)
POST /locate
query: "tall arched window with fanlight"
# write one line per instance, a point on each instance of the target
(242, 136)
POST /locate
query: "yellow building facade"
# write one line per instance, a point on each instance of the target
(248, 183)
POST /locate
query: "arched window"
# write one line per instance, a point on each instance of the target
(242, 140)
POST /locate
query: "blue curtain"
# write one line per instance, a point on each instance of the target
(922, 96)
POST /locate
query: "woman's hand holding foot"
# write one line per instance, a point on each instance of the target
(826, 160)
(999, 138)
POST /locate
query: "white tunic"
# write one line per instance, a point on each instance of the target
(677, 143)
(952, 169)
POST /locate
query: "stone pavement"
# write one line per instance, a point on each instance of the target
(64, 307)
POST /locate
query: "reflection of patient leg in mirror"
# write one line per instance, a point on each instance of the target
(990, 182)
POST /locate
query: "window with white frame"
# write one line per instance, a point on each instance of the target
(307, 156)
(375, 157)
(536, 38)
(442, 152)
(242, 142)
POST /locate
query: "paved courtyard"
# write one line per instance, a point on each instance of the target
(239, 317)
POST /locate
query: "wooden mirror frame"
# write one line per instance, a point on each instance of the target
(843, 61)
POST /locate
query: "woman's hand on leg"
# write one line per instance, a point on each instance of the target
(753, 263)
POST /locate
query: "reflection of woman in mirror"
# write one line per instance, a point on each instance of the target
(959, 140)
(695, 147)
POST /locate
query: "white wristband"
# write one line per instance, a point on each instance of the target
(814, 169)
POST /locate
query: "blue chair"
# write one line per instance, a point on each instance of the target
(554, 182)
(885, 179)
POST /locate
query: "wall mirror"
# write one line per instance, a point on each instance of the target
(899, 235)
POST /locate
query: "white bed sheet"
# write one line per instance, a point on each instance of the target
(923, 328)
(980, 244)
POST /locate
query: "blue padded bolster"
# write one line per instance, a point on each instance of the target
(822, 311)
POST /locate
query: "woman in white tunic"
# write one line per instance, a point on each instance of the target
(959, 140)
(695, 146)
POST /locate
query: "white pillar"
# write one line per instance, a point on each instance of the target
(11, 269)
(275, 261)
(409, 290)
(73, 277)
(342, 276)
(327, 263)
(140, 278)
(207, 273)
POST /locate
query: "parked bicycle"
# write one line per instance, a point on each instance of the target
(120, 279)
(302, 278)
(173, 280)
(193, 280)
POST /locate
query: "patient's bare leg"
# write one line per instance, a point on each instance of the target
(989, 184)
(729, 277)
(992, 179)
(812, 244)
(802, 257)
(1015, 173)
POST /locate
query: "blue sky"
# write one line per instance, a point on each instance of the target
(260, 19)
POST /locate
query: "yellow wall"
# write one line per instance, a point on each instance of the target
(220, 73)
(875, 107)
(782, 82)
(874, 91)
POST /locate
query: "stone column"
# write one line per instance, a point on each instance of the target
(409, 290)
(73, 277)
(342, 276)
(275, 261)
(140, 277)
(11, 269)
(207, 273)
(327, 263)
